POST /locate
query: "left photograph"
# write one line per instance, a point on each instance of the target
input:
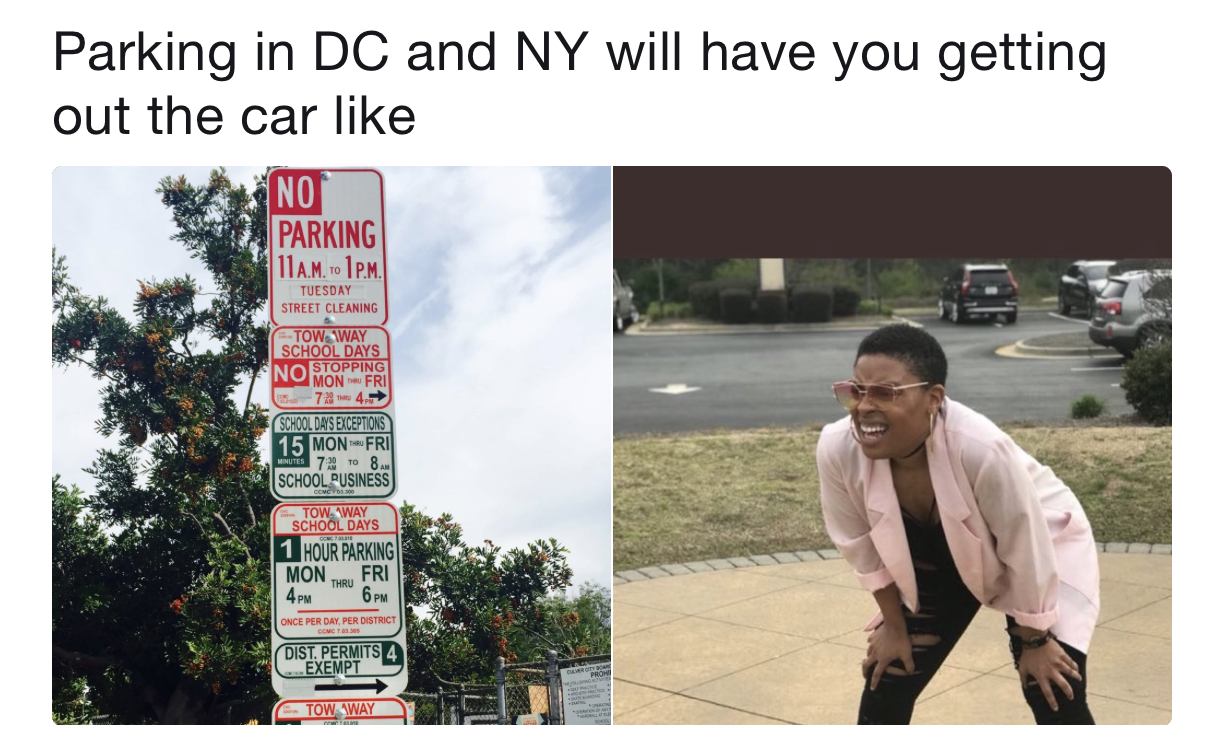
(329, 446)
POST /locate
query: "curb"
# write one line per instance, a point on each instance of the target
(1022, 348)
(726, 330)
(786, 558)
(872, 323)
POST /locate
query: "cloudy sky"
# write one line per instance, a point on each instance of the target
(501, 357)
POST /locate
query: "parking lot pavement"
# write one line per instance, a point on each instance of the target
(679, 382)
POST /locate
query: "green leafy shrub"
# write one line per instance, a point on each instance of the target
(1087, 406)
(873, 307)
(772, 306)
(811, 304)
(905, 278)
(736, 306)
(738, 269)
(1147, 383)
(845, 301)
(644, 282)
(669, 310)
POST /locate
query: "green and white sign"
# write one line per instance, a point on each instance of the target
(326, 658)
(329, 456)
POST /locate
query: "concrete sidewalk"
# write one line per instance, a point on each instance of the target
(783, 643)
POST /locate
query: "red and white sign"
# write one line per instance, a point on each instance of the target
(336, 571)
(323, 711)
(330, 367)
(327, 239)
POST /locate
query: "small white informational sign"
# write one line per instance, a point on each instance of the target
(586, 694)
(344, 711)
(326, 247)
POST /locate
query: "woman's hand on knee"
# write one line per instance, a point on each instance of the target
(1048, 665)
(885, 645)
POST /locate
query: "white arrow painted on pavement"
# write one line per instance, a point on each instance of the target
(675, 389)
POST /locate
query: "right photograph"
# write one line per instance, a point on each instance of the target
(899, 486)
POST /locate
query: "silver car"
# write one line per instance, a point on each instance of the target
(623, 311)
(1081, 283)
(1133, 311)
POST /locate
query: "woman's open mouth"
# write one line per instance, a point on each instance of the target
(872, 432)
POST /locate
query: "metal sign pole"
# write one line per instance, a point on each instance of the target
(553, 689)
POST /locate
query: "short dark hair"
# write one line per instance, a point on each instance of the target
(915, 347)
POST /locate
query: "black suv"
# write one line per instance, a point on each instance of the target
(974, 289)
(1081, 284)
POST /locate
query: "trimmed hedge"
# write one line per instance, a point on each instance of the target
(1147, 383)
(845, 301)
(705, 296)
(811, 304)
(736, 306)
(772, 306)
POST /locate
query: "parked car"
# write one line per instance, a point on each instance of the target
(1133, 311)
(1081, 283)
(974, 290)
(624, 312)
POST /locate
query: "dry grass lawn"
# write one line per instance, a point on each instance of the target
(680, 498)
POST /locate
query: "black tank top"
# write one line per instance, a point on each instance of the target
(927, 542)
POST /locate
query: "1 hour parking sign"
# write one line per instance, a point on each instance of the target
(327, 239)
(337, 600)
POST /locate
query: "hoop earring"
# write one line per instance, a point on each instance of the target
(928, 444)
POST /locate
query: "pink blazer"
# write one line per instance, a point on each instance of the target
(1018, 535)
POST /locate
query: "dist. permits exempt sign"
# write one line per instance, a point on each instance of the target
(327, 239)
(336, 571)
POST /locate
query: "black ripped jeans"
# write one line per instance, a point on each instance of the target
(947, 608)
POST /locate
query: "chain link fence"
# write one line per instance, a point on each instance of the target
(523, 694)
(525, 690)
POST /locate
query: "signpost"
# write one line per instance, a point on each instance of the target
(338, 642)
(346, 711)
(337, 600)
(327, 238)
(333, 455)
(324, 367)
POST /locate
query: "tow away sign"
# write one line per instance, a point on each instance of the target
(333, 456)
(327, 233)
(347, 711)
(330, 367)
(337, 600)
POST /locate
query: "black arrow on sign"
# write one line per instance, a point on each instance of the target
(378, 684)
(377, 395)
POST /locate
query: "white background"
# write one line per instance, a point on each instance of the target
(1154, 106)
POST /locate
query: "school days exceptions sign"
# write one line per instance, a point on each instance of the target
(337, 600)
(327, 239)
(333, 455)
